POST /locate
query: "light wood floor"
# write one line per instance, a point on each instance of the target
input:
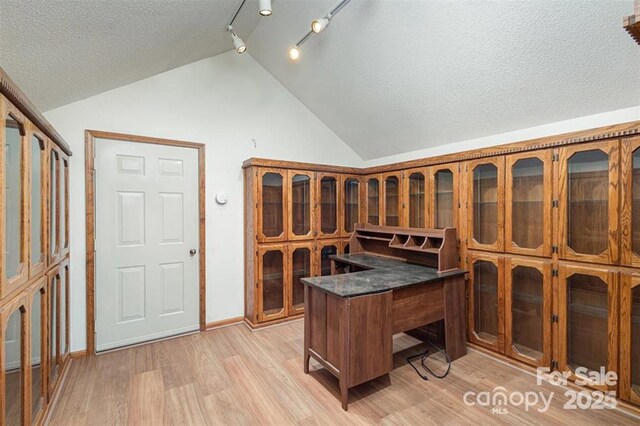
(235, 376)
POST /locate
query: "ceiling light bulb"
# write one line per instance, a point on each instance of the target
(319, 25)
(238, 44)
(294, 53)
(265, 7)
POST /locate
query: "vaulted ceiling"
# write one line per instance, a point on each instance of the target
(387, 76)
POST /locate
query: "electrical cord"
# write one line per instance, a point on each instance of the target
(424, 356)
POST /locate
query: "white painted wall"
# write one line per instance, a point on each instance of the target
(559, 127)
(234, 106)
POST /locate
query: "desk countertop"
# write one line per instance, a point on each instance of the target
(381, 274)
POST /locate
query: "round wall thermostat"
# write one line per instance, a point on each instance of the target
(221, 198)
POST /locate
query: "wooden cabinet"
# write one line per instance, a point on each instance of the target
(528, 310)
(588, 202)
(373, 201)
(328, 205)
(351, 203)
(630, 336)
(391, 198)
(630, 214)
(273, 276)
(271, 201)
(324, 249)
(301, 211)
(301, 264)
(485, 203)
(485, 295)
(444, 196)
(528, 192)
(34, 234)
(588, 319)
(415, 197)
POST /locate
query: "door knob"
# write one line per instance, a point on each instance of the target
(192, 252)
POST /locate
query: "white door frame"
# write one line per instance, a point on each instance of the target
(90, 139)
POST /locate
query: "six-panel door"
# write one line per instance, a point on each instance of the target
(485, 295)
(630, 337)
(528, 192)
(588, 202)
(588, 321)
(528, 310)
(485, 204)
(301, 211)
(415, 197)
(328, 211)
(272, 196)
(630, 215)
(273, 273)
(443, 196)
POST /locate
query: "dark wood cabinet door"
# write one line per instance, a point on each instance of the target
(391, 199)
(415, 197)
(351, 203)
(273, 279)
(328, 209)
(301, 210)
(373, 201)
(301, 265)
(272, 203)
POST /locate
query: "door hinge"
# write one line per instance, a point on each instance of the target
(403, 205)
(458, 205)
(554, 318)
(555, 203)
(554, 365)
(555, 157)
(554, 249)
(554, 273)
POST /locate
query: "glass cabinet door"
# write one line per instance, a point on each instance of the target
(272, 279)
(588, 208)
(486, 323)
(13, 197)
(587, 311)
(328, 188)
(272, 201)
(416, 189)
(486, 203)
(630, 338)
(37, 370)
(527, 310)
(13, 413)
(301, 264)
(392, 199)
(301, 199)
(54, 218)
(53, 338)
(327, 249)
(64, 204)
(373, 201)
(37, 208)
(630, 160)
(528, 200)
(444, 197)
(351, 204)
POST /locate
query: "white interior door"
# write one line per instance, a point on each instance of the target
(147, 237)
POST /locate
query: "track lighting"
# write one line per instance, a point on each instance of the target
(265, 7)
(320, 24)
(317, 26)
(238, 44)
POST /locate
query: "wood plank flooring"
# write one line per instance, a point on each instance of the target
(235, 376)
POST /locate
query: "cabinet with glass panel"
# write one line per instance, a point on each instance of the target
(301, 209)
(329, 212)
(415, 197)
(373, 199)
(392, 210)
(630, 336)
(485, 300)
(588, 202)
(351, 203)
(443, 196)
(485, 203)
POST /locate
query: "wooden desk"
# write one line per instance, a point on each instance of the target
(350, 319)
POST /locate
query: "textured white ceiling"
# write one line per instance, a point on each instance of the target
(393, 76)
(60, 51)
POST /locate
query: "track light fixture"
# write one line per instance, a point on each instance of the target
(265, 7)
(238, 44)
(317, 26)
